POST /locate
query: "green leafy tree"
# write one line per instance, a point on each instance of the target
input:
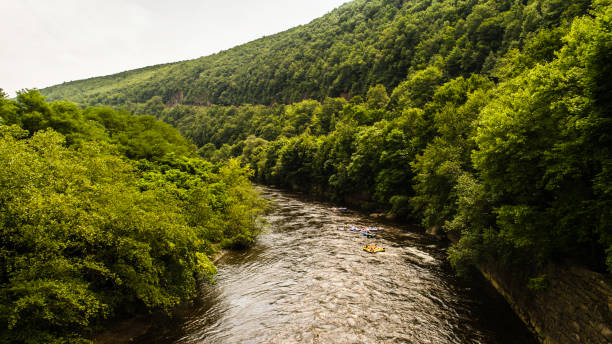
(377, 97)
(89, 234)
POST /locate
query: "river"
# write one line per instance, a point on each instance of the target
(306, 281)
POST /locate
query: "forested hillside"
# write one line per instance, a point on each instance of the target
(486, 119)
(105, 215)
(359, 45)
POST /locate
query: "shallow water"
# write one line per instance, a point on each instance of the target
(306, 281)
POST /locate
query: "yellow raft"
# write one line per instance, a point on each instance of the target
(373, 250)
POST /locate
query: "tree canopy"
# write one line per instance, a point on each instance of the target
(359, 45)
(105, 214)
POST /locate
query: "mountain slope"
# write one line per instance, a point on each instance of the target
(360, 44)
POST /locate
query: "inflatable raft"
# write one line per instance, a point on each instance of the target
(373, 250)
(369, 235)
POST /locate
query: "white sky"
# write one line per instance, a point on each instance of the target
(47, 42)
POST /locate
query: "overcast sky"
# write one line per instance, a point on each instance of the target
(46, 42)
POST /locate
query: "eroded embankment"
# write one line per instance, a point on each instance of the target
(576, 307)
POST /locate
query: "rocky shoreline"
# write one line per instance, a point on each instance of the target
(576, 306)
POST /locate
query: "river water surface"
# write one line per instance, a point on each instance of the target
(306, 281)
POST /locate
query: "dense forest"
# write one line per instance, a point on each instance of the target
(357, 46)
(104, 215)
(487, 119)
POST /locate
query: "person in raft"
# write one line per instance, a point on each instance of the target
(371, 247)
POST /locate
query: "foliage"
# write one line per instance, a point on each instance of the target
(539, 283)
(90, 233)
(542, 154)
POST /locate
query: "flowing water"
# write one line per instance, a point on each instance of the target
(307, 281)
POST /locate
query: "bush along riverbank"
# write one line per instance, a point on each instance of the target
(124, 331)
(105, 215)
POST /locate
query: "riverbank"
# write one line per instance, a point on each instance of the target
(126, 330)
(576, 306)
(122, 332)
